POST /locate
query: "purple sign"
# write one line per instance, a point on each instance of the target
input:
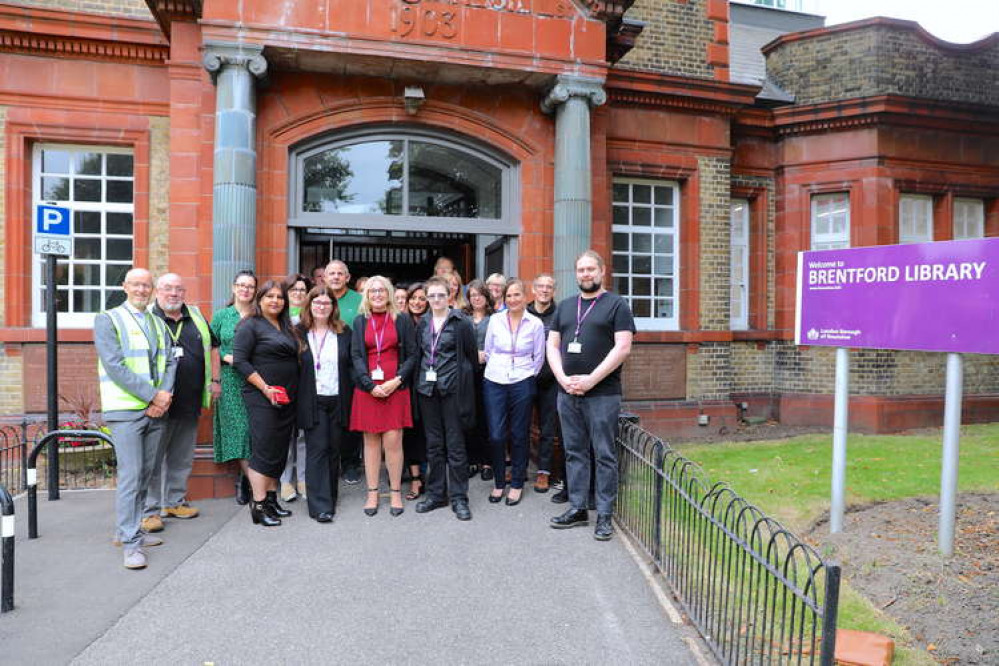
(941, 296)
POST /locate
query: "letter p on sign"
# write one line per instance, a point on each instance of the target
(52, 220)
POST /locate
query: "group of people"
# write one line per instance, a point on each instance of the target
(438, 379)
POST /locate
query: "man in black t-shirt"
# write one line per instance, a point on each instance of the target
(590, 339)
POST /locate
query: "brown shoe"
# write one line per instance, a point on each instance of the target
(152, 523)
(182, 511)
(541, 484)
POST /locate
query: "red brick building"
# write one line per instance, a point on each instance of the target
(698, 145)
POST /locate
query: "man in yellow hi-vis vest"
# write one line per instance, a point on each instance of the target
(136, 369)
(193, 389)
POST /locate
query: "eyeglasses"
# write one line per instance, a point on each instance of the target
(436, 296)
(377, 290)
(297, 290)
(173, 290)
(245, 286)
(322, 304)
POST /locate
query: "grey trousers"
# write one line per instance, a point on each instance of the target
(590, 422)
(297, 454)
(135, 446)
(172, 467)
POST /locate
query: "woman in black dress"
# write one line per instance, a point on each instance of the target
(265, 352)
(479, 310)
(414, 442)
(325, 390)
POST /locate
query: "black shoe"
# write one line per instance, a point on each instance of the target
(260, 513)
(495, 499)
(242, 490)
(373, 510)
(561, 497)
(461, 510)
(514, 502)
(396, 511)
(351, 476)
(430, 505)
(275, 509)
(325, 517)
(473, 471)
(604, 529)
(571, 518)
(487, 473)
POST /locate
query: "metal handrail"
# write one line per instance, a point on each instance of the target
(33, 471)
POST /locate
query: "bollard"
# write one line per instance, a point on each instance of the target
(7, 535)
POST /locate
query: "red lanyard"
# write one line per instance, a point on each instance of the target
(379, 336)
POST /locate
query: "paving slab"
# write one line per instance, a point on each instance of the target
(503, 588)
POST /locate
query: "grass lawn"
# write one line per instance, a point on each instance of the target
(790, 480)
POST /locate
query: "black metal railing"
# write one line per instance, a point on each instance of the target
(83, 463)
(756, 593)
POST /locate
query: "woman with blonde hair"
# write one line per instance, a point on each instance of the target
(456, 295)
(383, 353)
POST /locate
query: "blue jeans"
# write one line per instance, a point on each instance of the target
(589, 423)
(509, 406)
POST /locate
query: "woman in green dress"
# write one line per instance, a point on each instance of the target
(231, 425)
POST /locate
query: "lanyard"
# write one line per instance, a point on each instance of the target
(379, 336)
(435, 338)
(176, 338)
(513, 336)
(322, 343)
(580, 315)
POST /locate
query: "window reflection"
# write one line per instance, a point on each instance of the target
(371, 179)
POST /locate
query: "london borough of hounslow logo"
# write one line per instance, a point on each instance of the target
(813, 334)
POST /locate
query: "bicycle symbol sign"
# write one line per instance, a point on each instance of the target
(53, 233)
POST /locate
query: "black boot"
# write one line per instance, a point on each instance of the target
(273, 507)
(260, 513)
(242, 489)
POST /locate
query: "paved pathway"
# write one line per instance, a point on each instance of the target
(501, 589)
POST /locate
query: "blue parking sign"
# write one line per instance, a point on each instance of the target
(52, 221)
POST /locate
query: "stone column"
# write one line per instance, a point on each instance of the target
(570, 99)
(235, 68)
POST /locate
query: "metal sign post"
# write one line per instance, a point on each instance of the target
(951, 442)
(841, 420)
(53, 236)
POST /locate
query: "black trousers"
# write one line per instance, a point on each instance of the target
(477, 439)
(447, 460)
(546, 401)
(323, 443)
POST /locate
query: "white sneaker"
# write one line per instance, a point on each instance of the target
(135, 559)
(148, 540)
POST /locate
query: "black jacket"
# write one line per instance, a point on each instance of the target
(308, 399)
(458, 339)
(408, 353)
(545, 376)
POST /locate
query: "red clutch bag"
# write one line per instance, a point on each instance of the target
(280, 395)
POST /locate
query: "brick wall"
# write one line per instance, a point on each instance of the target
(77, 375)
(715, 242)
(3, 211)
(655, 372)
(159, 195)
(11, 393)
(752, 367)
(883, 58)
(129, 8)
(709, 372)
(675, 39)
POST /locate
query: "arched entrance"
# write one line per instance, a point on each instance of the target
(393, 199)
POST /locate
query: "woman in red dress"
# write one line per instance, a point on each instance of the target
(383, 352)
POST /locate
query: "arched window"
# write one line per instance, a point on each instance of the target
(402, 180)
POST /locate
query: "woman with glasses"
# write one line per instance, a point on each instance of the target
(515, 350)
(265, 353)
(230, 424)
(414, 441)
(298, 288)
(448, 355)
(383, 354)
(325, 391)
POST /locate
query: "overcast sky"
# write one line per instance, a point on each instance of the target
(953, 20)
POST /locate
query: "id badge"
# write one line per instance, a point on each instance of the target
(377, 375)
(431, 375)
(178, 352)
(575, 347)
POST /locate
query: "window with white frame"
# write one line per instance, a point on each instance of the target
(915, 218)
(831, 221)
(97, 184)
(969, 219)
(739, 313)
(646, 250)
